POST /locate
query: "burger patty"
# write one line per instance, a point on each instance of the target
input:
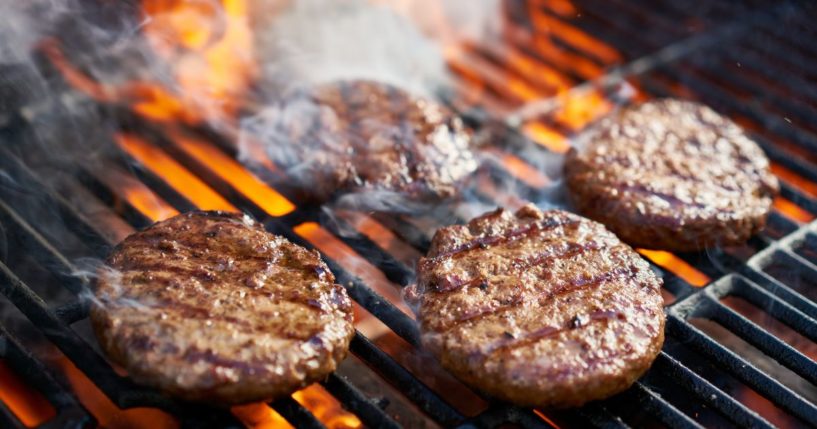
(355, 136)
(543, 309)
(208, 306)
(671, 174)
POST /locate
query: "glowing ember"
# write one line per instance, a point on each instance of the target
(546, 419)
(572, 35)
(337, 250)
(326, 408)
(236, 175)
(106, 412)
(522, 170)
(577, 110)
(137, 194)
(795, 179)
(184, 182)
(677, 266)
(792, 210)
(547, 137)
(259, 415)
(563, 8)
(28, 405)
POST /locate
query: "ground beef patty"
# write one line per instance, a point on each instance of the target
(354, 136)
(208, 306)
(671, 174)
(544, 309)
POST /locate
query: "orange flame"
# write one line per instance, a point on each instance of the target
(183, 181)
(137, 194)
(351, 261)
(577, 110)
(236, 175)
(792, 210)
(522, 170)
(259, 415)
(547, 137)
(574, 36)
(28, 405)
(106, 412)
(677, 266)
(209, 46)
(563, 8)
(326, 408)
(795, 179)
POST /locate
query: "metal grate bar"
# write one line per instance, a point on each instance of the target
(597, 415)
(419, 393)
(83, 229)
(356, 402)
(740, 368)
(713, 65)
(497, 416)
(42, 250)
(662, 409)
(719, 98)
(296, 414)
(393, 269)
(7, 418)
(764, 341)
(794, 195)
(130, 214)
(405, 231)
(781, 310)
(70, 412)
(779, 289)
(786, 159)
(756, 63)
(793, 60)
(709, 393)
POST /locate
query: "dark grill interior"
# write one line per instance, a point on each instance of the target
(739, 352)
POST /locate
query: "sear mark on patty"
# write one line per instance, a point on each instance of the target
(671, 174)
(555, 316)
(208, 306)
(363, 136)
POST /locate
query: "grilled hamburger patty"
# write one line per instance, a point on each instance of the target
(671, 174)
(547, 309)
(208, 306)
(361, 136)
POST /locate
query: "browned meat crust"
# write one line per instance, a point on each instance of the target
(543, 309)
(360, 136)
(208, 306)
(671, 174)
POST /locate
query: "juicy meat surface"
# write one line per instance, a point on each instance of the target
(543, 309)
(355, 136)
(671, 174)
(208, 306)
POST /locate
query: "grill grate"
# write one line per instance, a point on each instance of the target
(686, 62)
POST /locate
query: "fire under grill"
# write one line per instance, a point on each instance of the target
(741, 327)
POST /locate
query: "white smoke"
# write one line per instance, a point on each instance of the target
(393, 41)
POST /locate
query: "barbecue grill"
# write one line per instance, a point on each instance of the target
(741, 322)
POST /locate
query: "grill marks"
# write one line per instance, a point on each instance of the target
(671, 174)
(211, 307)
(516, 266)
(539, 308)
(483, 241)
(509, 342)
(542, 298)
(353, 136)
